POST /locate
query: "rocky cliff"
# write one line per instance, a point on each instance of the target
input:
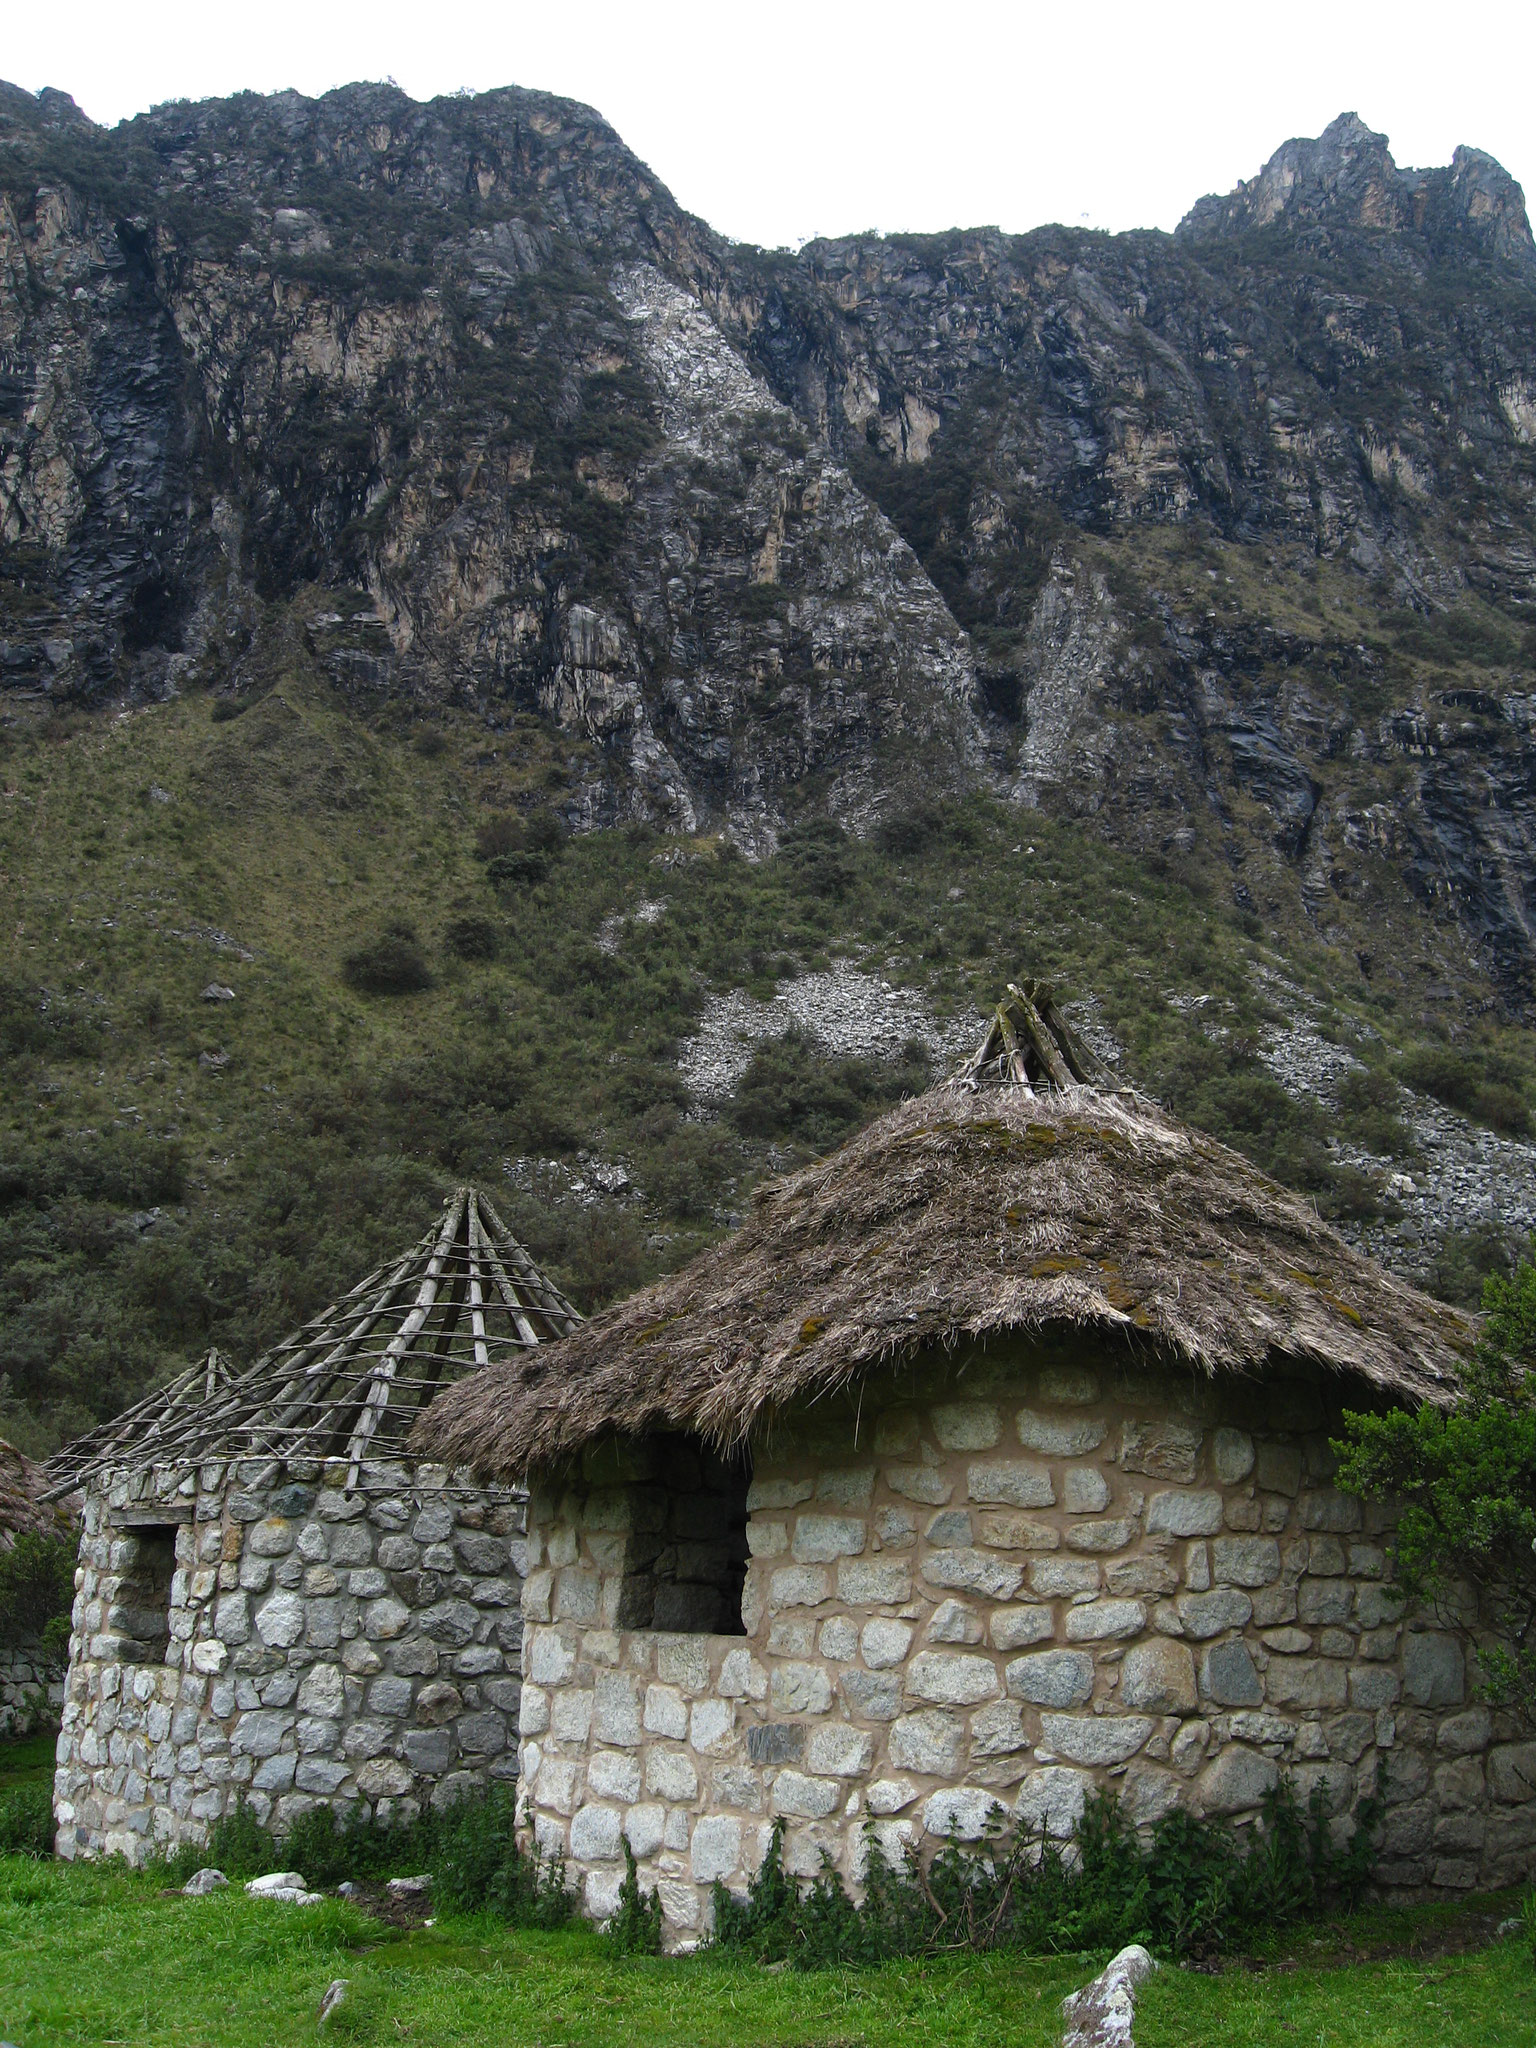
(1225, 537)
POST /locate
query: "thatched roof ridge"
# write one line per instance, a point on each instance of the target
(965, 1212)
(354, 1378)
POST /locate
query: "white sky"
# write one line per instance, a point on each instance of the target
(783, 121)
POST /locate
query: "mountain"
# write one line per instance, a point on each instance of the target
(399, 490)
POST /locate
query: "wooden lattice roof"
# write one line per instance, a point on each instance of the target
(351, 1382)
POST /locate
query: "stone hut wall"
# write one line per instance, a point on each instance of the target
(260, 1630)
(31, 1690)
(1002, 1579)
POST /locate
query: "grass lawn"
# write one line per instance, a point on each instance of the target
(94, 1954)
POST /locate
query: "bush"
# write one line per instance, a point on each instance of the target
(479, 1866)
(37, 1590)
(635, 1929)
(790, 1090)
(26, 1820)
(524, 869)
(392, 964)
(1193, 1888)
(1487, 1089)
(473, 938)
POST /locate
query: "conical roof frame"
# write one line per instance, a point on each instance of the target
(351, 1382)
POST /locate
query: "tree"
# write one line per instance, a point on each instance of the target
(1466, 1479)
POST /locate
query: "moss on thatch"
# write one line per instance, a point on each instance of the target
(965, 1212)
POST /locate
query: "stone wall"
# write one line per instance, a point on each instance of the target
(1002, 1580)
(31, 1691)
(261, 1630)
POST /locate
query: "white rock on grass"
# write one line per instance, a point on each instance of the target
(1102, 2014)
(201, 1882)
(286, 1886)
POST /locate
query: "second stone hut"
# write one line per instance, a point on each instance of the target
(989, 1462)
(277, 1600)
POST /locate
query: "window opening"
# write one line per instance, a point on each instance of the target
(141, 1613)
(685, 1565)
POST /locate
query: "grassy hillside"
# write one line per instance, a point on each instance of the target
(431, 980)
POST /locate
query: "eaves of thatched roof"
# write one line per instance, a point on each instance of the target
(971, 1211)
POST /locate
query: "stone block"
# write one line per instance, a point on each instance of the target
(1306, 1682)
(890, 1795)
(670, 1775)
(435, 1703)
(1161, 1447)
(666, 1712)
(1237, 1781)
(1203, 1615)
(428, 1751)
(837, 1751)
(776, 1742)
(324, 1691)
(962, 1813)
(951, 1678)
(714, 1850)
(1149, 1573)
(998, 1730)
(1512, 1773)
(930, 1742)
(871, 1582)
(1459, 1783)
(1100, 1621)
(1229, 1676)
(596, 1833)
(385, 1778)
(482, 1734)
(1372, 1687)
(1320, 1601)
(875, 1694)
(616, 1710)
(821, 1539)
(1245, 1560)
(1159, 1678)
(884, 1643)
(614, 1774)
(570, 1715)
(777, 1493)
(1059, 1436)
(1063, 1578)
(795, 1688)
(1085, 1491)
(895, 1527)
(1010, 1482)
(712, 1726)
(1278, 1468)
(798, 1585)
(1068, 1386)
(383, 1619)
(1184, 1514)
(1232, 1456)
(260, 1734)
(922, 1483)
(1006, 1529)
(967, 1425)
(952, 1622)
(1095, 1739)
(1434, 1671)
(1011, 1628)
(948, 1528)
(838, 1639)
(1051, 1801)
(796, 1795)
(1329, 1509)
(972, 1571)
(1052, 1678)
(1106, 1534)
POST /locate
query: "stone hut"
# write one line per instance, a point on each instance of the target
(31, 1676)
(275, 1598)
(987, 1463)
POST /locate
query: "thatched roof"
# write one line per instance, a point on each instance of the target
(23, 1509)
(352, 1381)
(981, 1207)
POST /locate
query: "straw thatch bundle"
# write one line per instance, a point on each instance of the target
(965, 1212)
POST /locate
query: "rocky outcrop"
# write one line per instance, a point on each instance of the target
(1110, 523)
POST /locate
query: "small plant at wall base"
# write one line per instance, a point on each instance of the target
(635, 1929)
(1467, 1478)
(1193, 1888)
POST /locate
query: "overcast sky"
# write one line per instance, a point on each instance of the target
(785, 121)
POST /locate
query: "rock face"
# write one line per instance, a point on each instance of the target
(1182, 1608)
(1224, 538)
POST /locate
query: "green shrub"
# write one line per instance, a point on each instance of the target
(26, 1820)
(635, 1929)
(523, 869)
(790, 1090)
(392, 964)
(238, 1844)
(226, 708)
(1193, 1887)
(473, 938)
(1486, 1089)
(37, 1590)
(479, 1866)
